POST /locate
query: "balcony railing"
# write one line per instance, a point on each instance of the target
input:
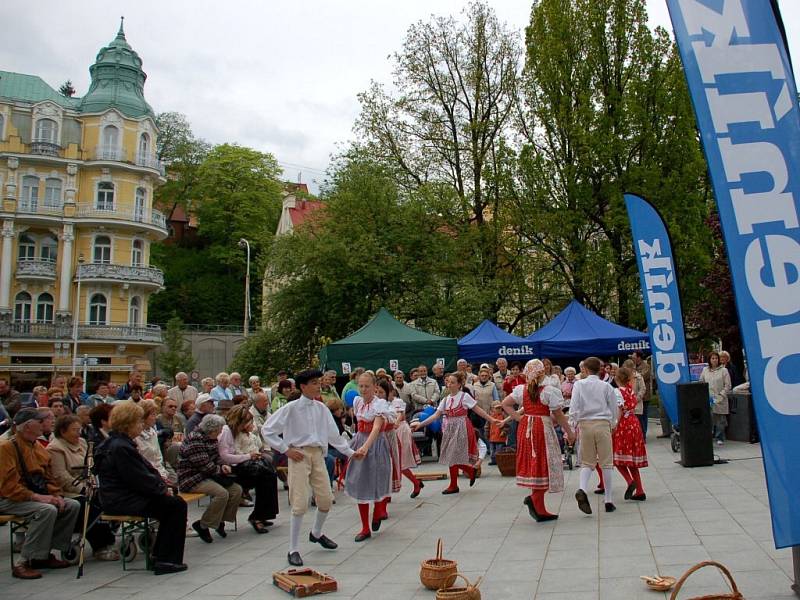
(150, 162)
(45, 148)
(130, 333)
(155, 218)
(109, 153)
(35, 207)
(36, 269)
(123, 273)
(143, 333)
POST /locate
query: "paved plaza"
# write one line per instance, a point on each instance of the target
(690, 515)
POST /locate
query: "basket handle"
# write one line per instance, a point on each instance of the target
(469, 585)
(439, 549)
(697, 567)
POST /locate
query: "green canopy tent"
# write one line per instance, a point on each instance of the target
(385, 339)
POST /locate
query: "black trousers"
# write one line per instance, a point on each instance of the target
(171, 537)
(265, 483)
(98, 535)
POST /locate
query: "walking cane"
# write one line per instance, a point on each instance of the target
(88, 493)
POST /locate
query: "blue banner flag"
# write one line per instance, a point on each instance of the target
(662, 302)
(745, 99)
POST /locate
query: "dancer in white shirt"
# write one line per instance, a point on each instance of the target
(308, 428)
(594, 408)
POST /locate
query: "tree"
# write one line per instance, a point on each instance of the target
(178, 354)
(442, 134)
(183, 154)
(604, 111)
(67, 89)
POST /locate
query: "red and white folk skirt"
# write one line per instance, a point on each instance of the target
(539, 455)
(629, 447)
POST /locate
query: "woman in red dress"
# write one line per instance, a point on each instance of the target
(538, 452)
(630, 453)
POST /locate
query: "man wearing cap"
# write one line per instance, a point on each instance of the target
(204, 405)
(302, 430)
(28, 490)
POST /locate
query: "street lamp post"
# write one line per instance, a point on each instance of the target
(76, 314)
(243, 243)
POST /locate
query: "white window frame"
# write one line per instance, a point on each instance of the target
(137, 322)
(110, 249)
(52, 138)
(105, 141)
(50, 303)
(139, 251)
(23, 304)
(58, 201)
(139, 197)
(105, 191)
(29, 243)
(27, 197)
(43, 244)
(144, 146)
(89, 308)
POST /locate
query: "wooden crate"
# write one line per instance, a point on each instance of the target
(431, 476)
(304, 582)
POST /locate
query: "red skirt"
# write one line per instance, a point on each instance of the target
(538, 455)
(629, 447)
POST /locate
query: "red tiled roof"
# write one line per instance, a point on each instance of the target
(302, 209)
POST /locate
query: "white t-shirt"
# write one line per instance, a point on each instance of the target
(548, 395)
(452, 402)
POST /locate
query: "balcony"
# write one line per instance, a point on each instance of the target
(34, 207)
(150, 162)
(108, 153)
(129, 333)
(150, 334)
(154, 219)
(45, 148)
(143, 276)
(36, 269)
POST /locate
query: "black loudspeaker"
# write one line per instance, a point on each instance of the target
(694, 419)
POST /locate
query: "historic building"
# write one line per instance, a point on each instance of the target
(77, 177)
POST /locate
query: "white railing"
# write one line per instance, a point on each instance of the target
(35, 207)
(144, 333)
(45, 148)
(155, 218)
(125, 273)
(151, 162)
(36, 268)
(108, 153)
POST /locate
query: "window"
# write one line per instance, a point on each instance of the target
(144, 147)
(30, 192)
(102, 250)
(139, 202)
(48, 250)
(27, 247)
(105, 196)
(52, 192)
(110, 137)
(44, 308)
(22, 308)
(135, 312)
(46, 131)
(137, 253)
(98, 306)
(2, 124)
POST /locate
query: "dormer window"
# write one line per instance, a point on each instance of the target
(46, 131)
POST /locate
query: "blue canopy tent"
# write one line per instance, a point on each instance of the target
(487, 342)
(577, 331)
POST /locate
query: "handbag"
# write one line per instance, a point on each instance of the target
(225, 481)
(35, 483)
(254, 468)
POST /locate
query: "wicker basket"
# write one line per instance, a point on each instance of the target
(435, 573)
(507, 462)
(471, 592)
(734, 594)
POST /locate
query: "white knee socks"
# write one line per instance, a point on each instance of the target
(319, 521)
(586, 473)
(295, 524)
(608, 474)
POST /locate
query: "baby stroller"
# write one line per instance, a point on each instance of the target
(675, 439)
(569, 456)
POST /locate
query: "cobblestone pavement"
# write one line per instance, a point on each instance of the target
(690, 515)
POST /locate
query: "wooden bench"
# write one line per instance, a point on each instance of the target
(15, 523)
(130, 525)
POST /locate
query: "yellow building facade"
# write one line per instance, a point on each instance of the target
(77, 177)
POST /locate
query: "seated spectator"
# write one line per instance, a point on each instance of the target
(9, 397)
(150, 395)
(113, 388)
(328, 389)
(237, 389)
(280, 397)
(68, 461)
(136, 393)
(40, 398)
(5, 420)
(182, 391)
(86, 423)
(222, 391)
(242, 449)
(159, 394)
(201, 470)
(101, 395)
(259, 409)
(169, 417)
(48, 425)
(55, 393)
(74, 397)
(28, 490)
(204, 405)
(99, 416)
(255, 387)
(187, 410)
(207, 384)
(147, 442)
(129, 485)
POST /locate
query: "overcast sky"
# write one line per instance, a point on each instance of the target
(280, 76)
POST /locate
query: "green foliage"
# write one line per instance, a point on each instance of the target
(178, 354)
(67, 89)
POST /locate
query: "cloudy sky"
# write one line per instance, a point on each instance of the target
(280, 76)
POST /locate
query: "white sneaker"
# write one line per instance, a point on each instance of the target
(719, 442)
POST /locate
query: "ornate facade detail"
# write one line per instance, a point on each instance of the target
(13, 163)
(36, 269)
(122, 273)
(8, 229)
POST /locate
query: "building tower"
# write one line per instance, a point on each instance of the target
(77, 177)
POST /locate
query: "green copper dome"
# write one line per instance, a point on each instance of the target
(117, 81)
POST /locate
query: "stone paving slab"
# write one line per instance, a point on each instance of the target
(690, 515)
